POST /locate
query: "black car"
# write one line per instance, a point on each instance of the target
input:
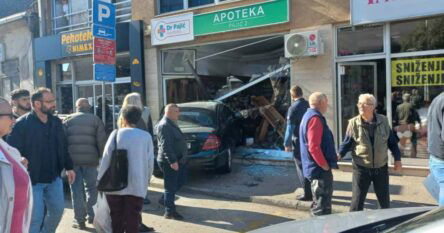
(211, 132)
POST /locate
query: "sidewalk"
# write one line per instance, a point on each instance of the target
(276, 185)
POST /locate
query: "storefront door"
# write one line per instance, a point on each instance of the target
(354, 78)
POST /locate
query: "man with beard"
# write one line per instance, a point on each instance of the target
(40, 138)
(21, 102)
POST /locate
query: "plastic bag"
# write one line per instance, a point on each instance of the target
(102, 218)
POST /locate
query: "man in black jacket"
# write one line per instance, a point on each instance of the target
(435, 138)
(40, 138)
(172, 150)
(294, 118)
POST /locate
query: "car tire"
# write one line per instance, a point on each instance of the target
(226, 167)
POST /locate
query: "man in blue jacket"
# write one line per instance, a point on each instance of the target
(40, 138)
(291, 141)
(318, 153)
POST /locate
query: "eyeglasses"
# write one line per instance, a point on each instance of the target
(10, 115)
(366, 104)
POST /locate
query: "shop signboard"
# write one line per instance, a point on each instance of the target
(244, 17)
(76, 43)
(104, 51)
(418, 72)
(375, 11)
(174, 29)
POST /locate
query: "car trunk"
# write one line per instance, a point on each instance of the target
(195, 137)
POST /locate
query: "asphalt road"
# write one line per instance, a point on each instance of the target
(203, 214)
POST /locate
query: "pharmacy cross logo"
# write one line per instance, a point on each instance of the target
(161, 31)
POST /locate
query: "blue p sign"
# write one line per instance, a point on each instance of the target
(104, 14)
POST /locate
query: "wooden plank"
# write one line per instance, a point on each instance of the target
(259, 101)
(263, 129)
(274, 118)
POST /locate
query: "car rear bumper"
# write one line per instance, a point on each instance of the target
(206, 159)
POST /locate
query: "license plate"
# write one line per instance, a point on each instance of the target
(189, 145)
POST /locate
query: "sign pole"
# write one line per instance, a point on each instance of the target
(103, 104)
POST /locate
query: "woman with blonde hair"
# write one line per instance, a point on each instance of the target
(145, 122)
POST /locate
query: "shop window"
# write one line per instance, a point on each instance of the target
(417, 35)
(360, 40)
(176, 61)
(194, 3)
(123, 66)
(417, 81)
(70, 15)
(12, 71)
(83, 69)
(64, 72)
(170, 5)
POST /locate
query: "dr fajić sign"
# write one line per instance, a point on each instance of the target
(172, 29)
(375, 11)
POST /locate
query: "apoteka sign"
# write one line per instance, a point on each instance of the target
(172, 29)
(376, 11)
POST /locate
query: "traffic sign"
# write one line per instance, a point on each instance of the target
(104, 32)
(104, 72)
(104, 14)
(104, 51)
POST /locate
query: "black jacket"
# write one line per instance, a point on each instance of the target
(26, 137)
(435, 128)
(172, 146)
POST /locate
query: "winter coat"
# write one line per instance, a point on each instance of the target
(86, 138)
(7, 190)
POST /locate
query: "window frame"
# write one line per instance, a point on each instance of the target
(186, 7)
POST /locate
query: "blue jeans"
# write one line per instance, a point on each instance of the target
(51, 196)
(86, 176)
(172, 181)
(436, 167)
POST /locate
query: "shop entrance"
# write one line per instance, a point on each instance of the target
(354, 78)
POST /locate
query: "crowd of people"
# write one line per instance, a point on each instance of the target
(36, 147)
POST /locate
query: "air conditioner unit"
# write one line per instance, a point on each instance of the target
(303, 44)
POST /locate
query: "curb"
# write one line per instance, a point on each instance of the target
(298, 205)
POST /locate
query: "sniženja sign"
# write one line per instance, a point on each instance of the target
(244, 17)
(418, 72)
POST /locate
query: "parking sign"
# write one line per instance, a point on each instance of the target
(104, 14)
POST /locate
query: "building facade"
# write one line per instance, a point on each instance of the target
(18, 27)
(360, 53)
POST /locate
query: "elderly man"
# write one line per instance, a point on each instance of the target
(86, 139)
(369, 137)
(171, 158)
(318, 153)
(40, 138)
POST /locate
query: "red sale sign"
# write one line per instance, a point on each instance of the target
(104, 51)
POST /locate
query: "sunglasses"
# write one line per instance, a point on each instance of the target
(10, 115)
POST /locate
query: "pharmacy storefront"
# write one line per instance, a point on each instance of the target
(394, 50)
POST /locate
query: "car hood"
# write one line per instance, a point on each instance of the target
(196, 129)
(340, 222)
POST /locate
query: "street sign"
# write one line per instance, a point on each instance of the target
(104, 14)
(104, 72)
(104, 32)
(104, 51)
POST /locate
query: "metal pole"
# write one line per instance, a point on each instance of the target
(103, 104)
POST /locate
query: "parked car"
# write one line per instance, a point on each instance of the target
(396, 220)
(212, 132)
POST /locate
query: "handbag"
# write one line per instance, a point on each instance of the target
(115, 177)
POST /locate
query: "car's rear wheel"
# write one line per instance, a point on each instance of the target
(226, 167)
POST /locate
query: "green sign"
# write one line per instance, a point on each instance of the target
(251, 16)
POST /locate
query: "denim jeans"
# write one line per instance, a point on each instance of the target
(437, 169)
(86, 177)
(173, 181)
(51, 196)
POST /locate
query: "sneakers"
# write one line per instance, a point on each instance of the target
(304, 198)
(80, 225)
(144, 228)
(90, 221)
(174, 216)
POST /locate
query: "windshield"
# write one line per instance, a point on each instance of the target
(196, 117)
(428, 222)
